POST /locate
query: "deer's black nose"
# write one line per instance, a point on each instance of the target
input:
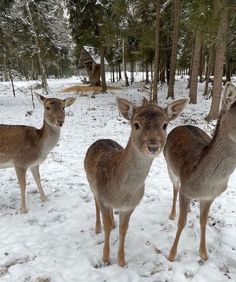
(152, 148)
(60, 123)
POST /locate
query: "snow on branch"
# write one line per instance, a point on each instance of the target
(165, 5)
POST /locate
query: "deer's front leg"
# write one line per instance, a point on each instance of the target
(124, 223)
(36, 175)
(21, 173)
(108, 224)
(204, 211)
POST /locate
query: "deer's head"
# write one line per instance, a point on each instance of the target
(149, 123)
(228, 111)
(54, 109)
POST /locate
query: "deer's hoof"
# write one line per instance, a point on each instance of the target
(43, 199)
(171, 257)
(106, 261)
(122, 263)
(24, 210)
(204, 256)
(172, 216)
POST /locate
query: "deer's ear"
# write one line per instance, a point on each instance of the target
(175, 108)
(125, 107)
(69, 101)
(229, 96)
(41, 98)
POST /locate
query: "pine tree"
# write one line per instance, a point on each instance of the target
(5, 20)
(219, 59)
(157, 49)
(92, 23)
(49, 25)
(174, 49)
(195, 68)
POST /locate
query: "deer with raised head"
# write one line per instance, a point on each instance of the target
(117, 175)
(199, 166)
(24, 147)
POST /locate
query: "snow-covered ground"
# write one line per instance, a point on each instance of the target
(56, 242)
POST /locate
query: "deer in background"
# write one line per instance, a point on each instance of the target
(199, 167)
(24, 147)
(116, 175)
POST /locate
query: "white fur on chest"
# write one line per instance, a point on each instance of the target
(50, 142)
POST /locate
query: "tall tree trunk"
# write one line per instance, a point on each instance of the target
(168, 55)
(191, 66)
(113, 73)
(5, 74)
(195, 68)
(175, 35)
(58, 68)
(227, 64)
(219, 62)
(162, 65)
(147, 80)
(25, 68)
(34, 69)
(119, 72)
(157, 48)
(103, 73)
(208, 70)
(162, 69)
(124, 65)
(37, 45)
(201, 65)
(132, 71)
(11, 79)
(151, 86)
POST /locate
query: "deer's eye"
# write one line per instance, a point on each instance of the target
(63, 108)
(164, 126)
(137, 125)
(48, 108)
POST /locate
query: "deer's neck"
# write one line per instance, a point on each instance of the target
(49, 136)
(219, 159)
(134, 166)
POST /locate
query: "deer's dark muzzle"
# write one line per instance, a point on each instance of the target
(153, 148)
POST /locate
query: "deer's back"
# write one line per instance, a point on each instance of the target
(101, 157)
(184, 148)
(18, 144)
(102, 165)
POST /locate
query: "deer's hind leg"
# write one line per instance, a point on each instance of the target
(98, 227)
(183, 211)
(176, 185)
(173, 209)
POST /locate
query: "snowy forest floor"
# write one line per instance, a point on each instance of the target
(56, 242)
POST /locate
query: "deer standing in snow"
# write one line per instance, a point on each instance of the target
(24, 147)
(116, 175)
(199, 167)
